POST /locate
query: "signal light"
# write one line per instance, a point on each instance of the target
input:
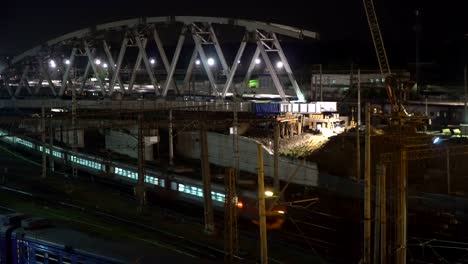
(240, 205)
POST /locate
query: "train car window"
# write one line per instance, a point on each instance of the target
(218, 197)
(52, 259)
(47, 150)
(57, 154)
(24, 142)
(162, 183)
(126, 173)
(181, 187)
(39, 256)
(152, 180)
(174, 185)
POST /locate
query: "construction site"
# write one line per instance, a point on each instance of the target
(112, 151)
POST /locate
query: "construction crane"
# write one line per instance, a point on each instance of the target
(390, 80)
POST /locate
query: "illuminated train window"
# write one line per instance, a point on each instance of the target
(154, 180)
(126, 173)
(24, 142)
(87, 163)
(192, 190)
(57, 154)
(47, 150)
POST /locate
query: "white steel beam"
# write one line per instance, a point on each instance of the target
(234, 67)
(271, 69)
(116, 69)
(26, 83)
(175, 58)
(112, 65)
(219, 51)
(137, 66)
(204, 62)
(163, 55)
(38, 86)
(292, 79)
(45, 73)
(188, 74)
(67, 72)
(93, 66)
(6, 83)
(20, 84)
(85, 76)
(129, 23)
(144, 56)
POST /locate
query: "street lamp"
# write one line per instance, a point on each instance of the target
(105, 65)
(67, 62)
(97, 61)
(197, 62)
(279, 64)
(211, 61)
(152, 61)
(52, 64)
(268, 193)
(257, 61)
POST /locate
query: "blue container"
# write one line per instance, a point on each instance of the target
(266, 108)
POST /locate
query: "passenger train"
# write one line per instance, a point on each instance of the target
(168, 185)
(33, 240)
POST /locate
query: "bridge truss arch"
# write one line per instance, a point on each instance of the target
(120, 57)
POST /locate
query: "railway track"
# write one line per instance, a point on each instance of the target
(166, 239)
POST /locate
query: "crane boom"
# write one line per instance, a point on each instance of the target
(380, 51)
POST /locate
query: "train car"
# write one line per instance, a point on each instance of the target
(35, 240)
(167, 185)
(8, 223)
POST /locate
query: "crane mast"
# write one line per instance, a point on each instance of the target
(380, 51)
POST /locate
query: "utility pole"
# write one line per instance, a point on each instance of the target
(140, 188)
(377, 212)
(230, 217)
(171, 142)
(43, 137)
(261, 208)
(466, 94)
(402, 211)
(205, 165)
(417, 29)
(367, 191)
(276, 183)
(448, 172)
(383, 214)
(358, 134)
(75, 136)
(321, 86)
(51, 144)
(231, 244)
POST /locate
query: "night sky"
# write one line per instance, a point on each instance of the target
(345, 36)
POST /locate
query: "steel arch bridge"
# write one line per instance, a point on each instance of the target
(84, 61)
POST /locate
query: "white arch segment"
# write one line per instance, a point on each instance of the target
(250, 25)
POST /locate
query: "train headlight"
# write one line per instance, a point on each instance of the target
(280, 212)
(268, 193)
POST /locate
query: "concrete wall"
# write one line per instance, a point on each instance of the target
(126, 144)
(220, 152)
